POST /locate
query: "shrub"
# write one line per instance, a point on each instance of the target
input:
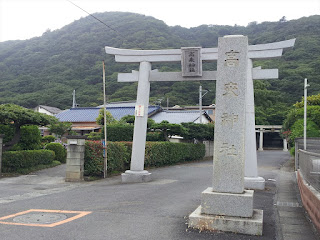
(94, 136)
(297, 130)
(119, 132)
(157, 154)
(167, 153)
(30, 138)
(155, 136)
(16, 160)
(117, 157)
(48, 139)
(8, 131)
(198, 131)
(292, 151)
(313, 114)
(59, 150)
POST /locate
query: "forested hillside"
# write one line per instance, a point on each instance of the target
(45, 70)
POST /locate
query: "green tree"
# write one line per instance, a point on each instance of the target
(17, 116)
(129, 119)
(168, 129)
(313, 100)
(198, 131)
(297, 130)
(109, 118)
(60, 128)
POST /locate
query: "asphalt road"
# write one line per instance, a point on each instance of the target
(154, 210)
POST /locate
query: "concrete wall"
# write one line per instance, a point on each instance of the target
(310, 199)
(75, 159)
(209, 148)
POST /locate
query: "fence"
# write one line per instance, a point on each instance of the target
(313, 146)
(309, 165)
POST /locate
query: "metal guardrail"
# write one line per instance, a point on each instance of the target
(309, 165)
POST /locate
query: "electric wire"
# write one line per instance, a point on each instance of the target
(96, 18)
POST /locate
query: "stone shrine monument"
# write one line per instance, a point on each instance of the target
(225, 206)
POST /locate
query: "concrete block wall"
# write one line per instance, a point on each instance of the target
(75, 159)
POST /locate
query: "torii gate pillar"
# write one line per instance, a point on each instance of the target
(137, 172)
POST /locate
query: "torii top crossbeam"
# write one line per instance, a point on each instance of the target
(260, 51)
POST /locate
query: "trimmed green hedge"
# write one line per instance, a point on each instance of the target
(59, 150)
(15, 160)
(117, 154)
(119, 132)
(157, 154)
(167, 153)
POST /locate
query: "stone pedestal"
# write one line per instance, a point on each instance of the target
(250, 226)
(230, 204)
(75, 159)
(1, 143)
(135, 176)
(256, 183)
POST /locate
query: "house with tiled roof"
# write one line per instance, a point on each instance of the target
(84, 119)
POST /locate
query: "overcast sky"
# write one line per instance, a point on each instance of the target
(24, 19)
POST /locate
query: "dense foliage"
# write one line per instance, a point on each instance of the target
(119, 132)
(109, 118)
(16, 116)
(30, 138)
(45, 70)
(117, 154)
(47, 139)
(15, 161)
(60, 128)
(157, 154)
(59, 150)
(293, 124)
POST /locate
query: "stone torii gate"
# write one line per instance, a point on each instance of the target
(191, 61)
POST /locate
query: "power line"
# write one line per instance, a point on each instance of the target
(96, 18)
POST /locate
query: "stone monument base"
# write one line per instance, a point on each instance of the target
(230, 204)
(257, 183)
(130, 176)
(251, 226)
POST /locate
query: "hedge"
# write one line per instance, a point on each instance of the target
(30, 138)
(117, 154)
(157, 154)
(15, 160)
(119, 132)
(59, 150)
(167, 153)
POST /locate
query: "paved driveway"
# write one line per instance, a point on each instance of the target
(107, 209)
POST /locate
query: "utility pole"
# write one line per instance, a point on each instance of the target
(74, 104)
(306, 85)
(105, 123)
